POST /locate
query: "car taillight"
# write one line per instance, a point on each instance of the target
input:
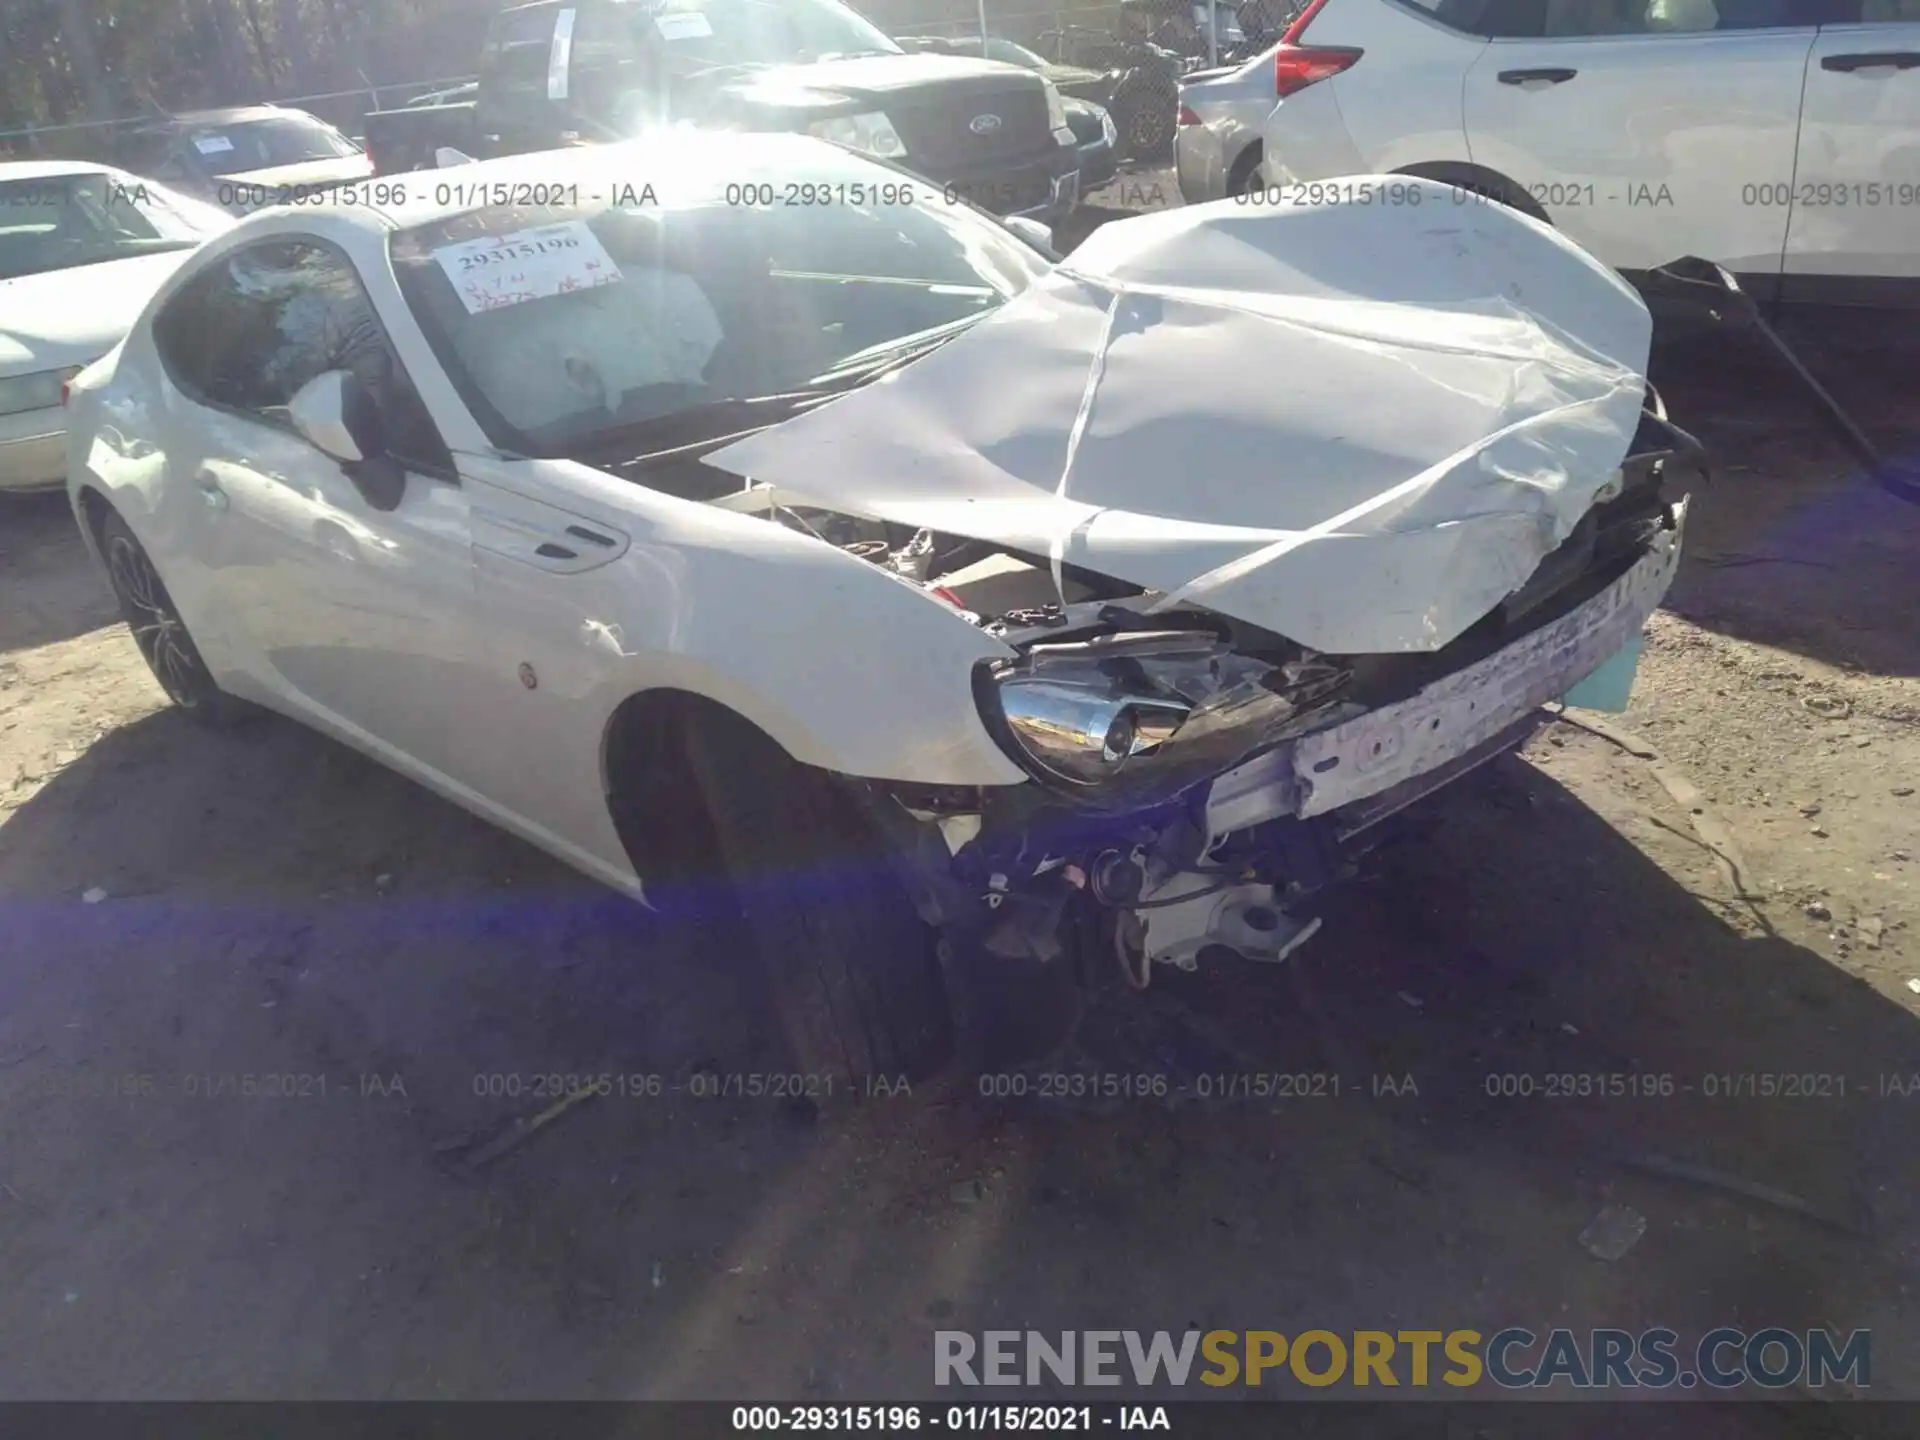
(1296, 66)
(1187, 117)
(66, 390)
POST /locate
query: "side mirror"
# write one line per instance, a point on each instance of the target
(334, 413)
(1032, 231)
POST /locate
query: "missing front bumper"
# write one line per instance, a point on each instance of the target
(1346, 765)
(1312, 803)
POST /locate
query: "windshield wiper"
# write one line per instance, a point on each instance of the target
(688, 433)
(878, 360)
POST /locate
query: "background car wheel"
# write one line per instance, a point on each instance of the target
(1150, 132)
(159, 631)
(853, 969)
(1487, 184)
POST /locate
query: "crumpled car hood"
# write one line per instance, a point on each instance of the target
(1360, 425)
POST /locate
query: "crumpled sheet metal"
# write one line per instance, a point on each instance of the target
(1358, 425)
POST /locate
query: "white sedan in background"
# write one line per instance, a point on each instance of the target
(1777, 138)
(82, 249)
(1221, 117)
(1085, 610)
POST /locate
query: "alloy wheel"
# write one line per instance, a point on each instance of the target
(156, 625)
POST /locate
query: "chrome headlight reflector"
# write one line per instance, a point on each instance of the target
(870, 131)
(1133, 719)
(39, 391)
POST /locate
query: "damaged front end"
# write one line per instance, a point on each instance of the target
(1286, 521)
(1195, 779)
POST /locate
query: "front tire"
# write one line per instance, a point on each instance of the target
(852, 968)
(160, 633)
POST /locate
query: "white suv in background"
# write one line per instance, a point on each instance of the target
(1779, 138)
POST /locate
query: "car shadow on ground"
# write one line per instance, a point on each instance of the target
(1791, 544)
(276, 905)
(51, 591)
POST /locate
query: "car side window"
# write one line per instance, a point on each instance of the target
(254, 326)
(1565, 18)
(1574, 19)
(1488, 19)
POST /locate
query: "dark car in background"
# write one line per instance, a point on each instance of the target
(1098, 142)
(568, 72)
(243, 157)
(1083, 93)
(1080, 81)
(1136, 83)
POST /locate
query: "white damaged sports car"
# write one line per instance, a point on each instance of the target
(743, 511)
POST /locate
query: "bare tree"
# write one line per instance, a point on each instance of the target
(291, 34)
(76, 29)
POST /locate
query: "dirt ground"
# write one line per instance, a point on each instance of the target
(1740, 898)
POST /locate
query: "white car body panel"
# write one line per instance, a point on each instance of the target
(1857, 138)
(1233, 109)
(1716, 117)
(1401, 104)
(1306, 139)
(73, 317)
(1460, 382)
(1643, 155)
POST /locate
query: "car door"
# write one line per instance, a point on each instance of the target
(1854, 231)
(1641, 127)
(357, 618)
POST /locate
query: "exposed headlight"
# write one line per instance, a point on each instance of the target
(1057, 113)
(870, 131)
(1131, 720)
(39, 391)
(1107, 132)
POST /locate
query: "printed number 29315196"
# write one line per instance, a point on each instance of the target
(499, 270)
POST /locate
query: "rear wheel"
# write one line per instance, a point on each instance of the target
(1143, 114)
(853, 970)
(159, 632)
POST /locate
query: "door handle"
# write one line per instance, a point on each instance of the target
(1883, 60)
(210, 492)
(1552, 75)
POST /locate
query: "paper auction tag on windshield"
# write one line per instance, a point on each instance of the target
(500, 270)
(682, 25)
(212, 144)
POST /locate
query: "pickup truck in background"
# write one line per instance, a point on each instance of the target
(568, 72)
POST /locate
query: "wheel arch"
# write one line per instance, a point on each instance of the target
(94, 507)
(1240, 174)
(653, 801)
(1482, 181)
